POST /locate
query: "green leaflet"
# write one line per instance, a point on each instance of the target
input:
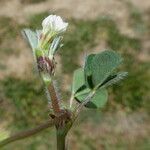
(98, 101)
(31, 37)
(55, 45)
(100, 66)
(88, 71)
(103, 64)
(112, 79)
(78, 80)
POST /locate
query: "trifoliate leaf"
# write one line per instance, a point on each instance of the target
(96, 76)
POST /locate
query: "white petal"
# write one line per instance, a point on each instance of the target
(54, 23)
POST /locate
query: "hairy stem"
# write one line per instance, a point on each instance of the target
(80, 106)
(28, 133)
(54, 98)
(71, 100)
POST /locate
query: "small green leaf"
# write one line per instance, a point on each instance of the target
(78, 80)
(101, 65)
(88, 71)
(55, 45)
(98, 101)
(83, 92)
(112, 79)
(31, 37)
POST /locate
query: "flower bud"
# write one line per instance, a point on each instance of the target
(46, 65)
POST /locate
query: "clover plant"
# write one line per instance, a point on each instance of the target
(89, 85)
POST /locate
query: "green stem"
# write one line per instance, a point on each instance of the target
(61, 140)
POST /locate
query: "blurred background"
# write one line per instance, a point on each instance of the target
(94, 25)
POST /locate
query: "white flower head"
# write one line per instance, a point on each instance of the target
(54, 23)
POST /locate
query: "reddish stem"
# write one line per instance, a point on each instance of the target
(54, 98)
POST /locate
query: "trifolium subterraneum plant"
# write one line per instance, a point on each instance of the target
(89, 86)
